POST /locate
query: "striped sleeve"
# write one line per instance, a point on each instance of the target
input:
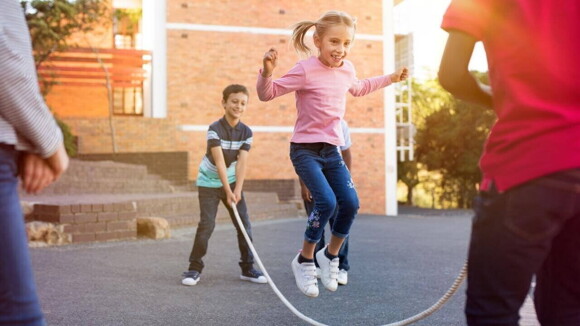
(25, 120)
(213, 138)
(247, 142)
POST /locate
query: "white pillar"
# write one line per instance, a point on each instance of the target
(390, 124)
(155, 40)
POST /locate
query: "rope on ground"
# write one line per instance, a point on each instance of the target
(408, 321)
(439, 303)
(272, 285)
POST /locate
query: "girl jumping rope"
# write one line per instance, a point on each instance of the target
(320, 84)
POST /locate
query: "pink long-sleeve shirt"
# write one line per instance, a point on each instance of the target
(320, 97)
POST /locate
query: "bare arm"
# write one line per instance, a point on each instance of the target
(454, 74)
(347, 157)
(241, 173)
(220, 163)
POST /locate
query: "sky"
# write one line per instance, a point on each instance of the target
(423, 18)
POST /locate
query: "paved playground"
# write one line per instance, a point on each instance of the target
(399, 267)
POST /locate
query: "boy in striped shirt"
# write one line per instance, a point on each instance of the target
(224, 163)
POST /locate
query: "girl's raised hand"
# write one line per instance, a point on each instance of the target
(400, 75)
(270, 61)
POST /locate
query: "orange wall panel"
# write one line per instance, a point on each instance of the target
(86, 102)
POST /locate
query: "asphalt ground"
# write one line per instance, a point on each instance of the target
(399, 267)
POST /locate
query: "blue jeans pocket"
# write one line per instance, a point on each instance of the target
(533, 212)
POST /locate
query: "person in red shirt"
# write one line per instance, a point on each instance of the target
(527, 215)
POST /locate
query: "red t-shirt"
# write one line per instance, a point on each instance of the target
(533, 53)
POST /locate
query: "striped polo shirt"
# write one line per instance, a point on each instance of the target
(231, 140)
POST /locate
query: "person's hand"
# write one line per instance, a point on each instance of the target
(231, 198)
(400, 75)
(36, 173)
(270, 61)
(238, 195)
(306, 195)
(58, 162)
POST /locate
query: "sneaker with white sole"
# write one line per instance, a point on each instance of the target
(342, 277)
(305, 275)
(190, 278)
(328, 270)
(253, 275)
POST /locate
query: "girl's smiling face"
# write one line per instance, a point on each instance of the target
(334, 44)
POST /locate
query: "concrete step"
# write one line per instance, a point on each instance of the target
(106, 177)
(108, 169)
(68, 185)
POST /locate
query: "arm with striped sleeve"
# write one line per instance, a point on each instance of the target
(25, 120)
(21, 104)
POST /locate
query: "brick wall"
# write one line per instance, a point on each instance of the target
(91, 222)
(200, 64)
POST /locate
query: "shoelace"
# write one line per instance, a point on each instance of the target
(190, 274)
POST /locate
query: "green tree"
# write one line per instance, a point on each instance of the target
(451, 143)
(51, 24)
(427, 97)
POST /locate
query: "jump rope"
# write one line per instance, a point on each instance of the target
(408, 321)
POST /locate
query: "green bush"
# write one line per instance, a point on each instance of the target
(70, 140)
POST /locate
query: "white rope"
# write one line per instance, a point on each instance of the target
(408, 321)
(439, 303)
(272, 285)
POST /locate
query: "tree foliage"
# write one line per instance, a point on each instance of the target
(449, 142)
(53, 22)
(452, 141)
(427, 97)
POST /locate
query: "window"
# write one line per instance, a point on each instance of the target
(128, 101)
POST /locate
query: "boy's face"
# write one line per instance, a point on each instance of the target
(235, 105)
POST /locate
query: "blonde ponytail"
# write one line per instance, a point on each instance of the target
(299, 31)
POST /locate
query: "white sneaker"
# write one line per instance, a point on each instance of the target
(190, 278)
(305, 275)
(342, 277)
(253, 275)
(328, 270)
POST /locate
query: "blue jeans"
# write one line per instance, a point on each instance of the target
(342, 253)
(533, 229)
(209, 199)
(323, 171)
(19, 303)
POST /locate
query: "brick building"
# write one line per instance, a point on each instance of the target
(197, 48)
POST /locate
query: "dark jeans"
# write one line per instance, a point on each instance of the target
(209, 199)
(533, 229)
(343, 252)
(18, 300)
(323, 171)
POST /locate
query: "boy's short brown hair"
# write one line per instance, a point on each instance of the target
(232, 89)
